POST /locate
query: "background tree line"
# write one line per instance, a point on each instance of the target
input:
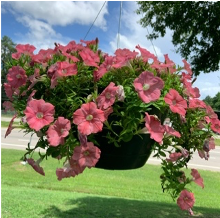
(7, 48)
(213, 102)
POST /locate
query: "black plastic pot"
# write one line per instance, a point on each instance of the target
(130, 155)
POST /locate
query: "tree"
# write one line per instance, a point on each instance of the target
(208, 100)
(213, 102)
(7, 48)
(195, 26)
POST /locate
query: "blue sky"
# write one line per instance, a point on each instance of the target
(41, 23)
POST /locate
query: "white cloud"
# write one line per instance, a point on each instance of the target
(40, 34)
(208, 84)
(3, 10)
(61, 12)
(132, 33)
(40, 17)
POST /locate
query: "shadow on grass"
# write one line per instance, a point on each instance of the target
(102, 207)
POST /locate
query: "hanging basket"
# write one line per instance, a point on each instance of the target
(130, 155)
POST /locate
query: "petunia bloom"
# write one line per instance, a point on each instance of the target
(39, 114)
(58, 131)
(16, 76)
(174, 157)
(87, 156)
(70, 169)
(107, 97)
(196, 103)
(10, 127)
(186, 200)
(176, 102)
(197, 178)
(154, 127)
(36, 165)
(148, 86)
(89, 118)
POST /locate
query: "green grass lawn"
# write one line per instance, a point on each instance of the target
(96, 193)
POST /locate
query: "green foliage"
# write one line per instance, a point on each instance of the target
(213, 102)
(7, 48)
(195, 26)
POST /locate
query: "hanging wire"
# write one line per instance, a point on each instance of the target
(119, 26)
(152, 43)
(151, 39)
(94, 20)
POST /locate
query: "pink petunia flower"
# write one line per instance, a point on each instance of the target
(39, 114)
(58, 131)
(215, 125)
(184, 151)
(8, 106)
(43, 56)
(89, 57)
(89, 118)
(25, 49)
(16, 77)
(66, 69)
(203, 154)
(36, 165)
(176, 102)
(145, 54)
(64, 172)
(170, 131)
(82, 139)
(103, 68)
(210, 112)
(211, 144)
(187, 67)
(87, 156)
(196, 103)
(190, 91)
(197, 178)
(8, 91)
(186, 200)
(174, 157)
(10, 127)
(170, 64)
(107, 112)
(70, 169)
(107, 97)
(148, 86)
(154, 127)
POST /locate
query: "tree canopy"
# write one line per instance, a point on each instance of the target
(7, 48)
(195, 26)
(213, 102)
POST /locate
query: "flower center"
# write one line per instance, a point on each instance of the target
(108, 95)
(18, 76)
(146, 87)
(174, 102)
(64, 71)
(89, 117)
(86, 153)
(39, 115)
